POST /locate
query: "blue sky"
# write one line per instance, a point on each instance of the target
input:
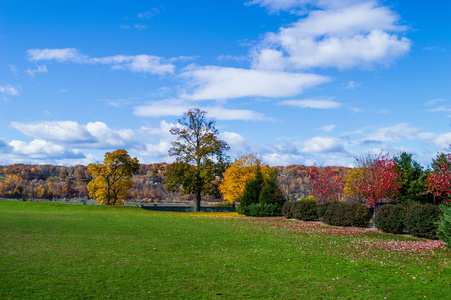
(296, 81)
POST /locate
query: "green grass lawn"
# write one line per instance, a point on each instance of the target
(84, 251)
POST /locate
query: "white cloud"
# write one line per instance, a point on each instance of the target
(91, 135)
(160, 141)
(443, 141)
(40, 69)
(140, 26)
(40, 149)
(214, 83)
(222, 113)
(60, 55)
(9, 90)
(321, 144)
(328, 128)
(434, 101)
(292, 5)
(149, 14)
(237, 142)
(172, 107)
(398, 132)
(177, 107)
(135, 63)
(352, 84)
(343, 37)
(320, 104)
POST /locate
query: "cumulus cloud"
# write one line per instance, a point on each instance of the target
(91, 135)
(320, 104)
(215, 83)
(359, 34)
(160, 140)
(9, 90)
(321, 144)
(237, 142)
(40, 149)
(142, 63)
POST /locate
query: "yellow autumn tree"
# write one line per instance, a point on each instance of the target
(238, 174)
(112, 179)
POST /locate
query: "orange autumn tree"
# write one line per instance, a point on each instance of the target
(238, 174)
(112, 179)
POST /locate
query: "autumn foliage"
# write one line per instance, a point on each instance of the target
(240, 172)
(375, 178)
(112, 179)
(327, 183)
(439, 180)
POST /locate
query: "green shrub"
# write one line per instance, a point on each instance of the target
(264, 192)
(444, 225)
(263, 210)
(287, 210)
(346, 214)
(360, 214)
(421, 220)
(305, 210)
(251, 192)
(390, 218)
(241, 209)
(321, 209)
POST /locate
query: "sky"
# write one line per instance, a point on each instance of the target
(312, 82)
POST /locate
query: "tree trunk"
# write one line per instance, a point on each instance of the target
(197, 200)
(108, 193)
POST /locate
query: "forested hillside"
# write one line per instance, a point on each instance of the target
(23, 181)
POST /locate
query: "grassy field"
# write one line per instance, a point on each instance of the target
(88, 252)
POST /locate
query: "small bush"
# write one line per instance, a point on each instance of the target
(305, 210)
(263, 210)
(321, 209)
(421, 220)
(241, 209)
(287, 210)
(361, 215)
(390, 218)
(444, 225)
(347, 214)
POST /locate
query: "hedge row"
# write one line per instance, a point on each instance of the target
(420, 220)
(332, 213)
(260, 210)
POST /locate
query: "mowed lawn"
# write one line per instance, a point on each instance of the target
(85, 251)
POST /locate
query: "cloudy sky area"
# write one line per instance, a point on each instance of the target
(296, 81)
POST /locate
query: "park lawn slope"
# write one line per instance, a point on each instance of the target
(88, 251)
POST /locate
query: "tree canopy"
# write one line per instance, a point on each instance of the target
(412, 179)
(240, 172)
(376, 177)
(112, 179)
(200, 156)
